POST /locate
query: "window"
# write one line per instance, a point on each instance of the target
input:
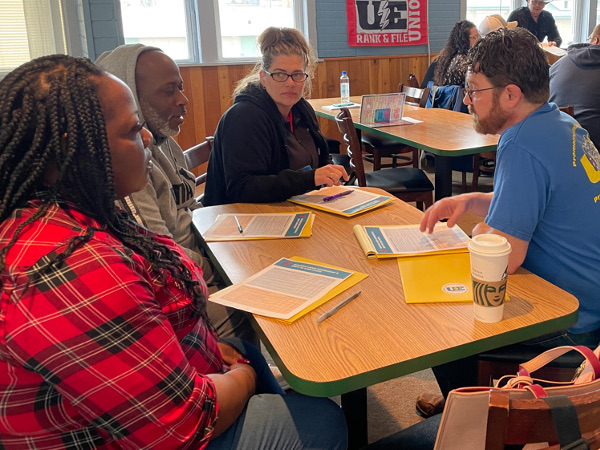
(29, 29)
(208, 31)
(242, 21)
(158, 23)
(567, 20)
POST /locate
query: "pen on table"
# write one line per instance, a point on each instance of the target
(341, 194)
(337, 307)
(240, 229)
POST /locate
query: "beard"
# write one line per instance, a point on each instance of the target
(156, 124)
(493, 122)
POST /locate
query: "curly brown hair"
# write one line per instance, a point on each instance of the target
(513, 57)
(458, 43)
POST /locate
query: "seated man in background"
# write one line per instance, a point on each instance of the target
(574, 81)
(545, 199)
(541, 23)
(165, 205)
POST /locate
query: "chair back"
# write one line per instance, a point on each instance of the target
(196, 156)
(414, 95)
(568, 109)
(412, 81)
(346, 127)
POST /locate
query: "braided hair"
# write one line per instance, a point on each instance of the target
(50, 115)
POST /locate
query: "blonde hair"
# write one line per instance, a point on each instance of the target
(596, 32)
(274, 42)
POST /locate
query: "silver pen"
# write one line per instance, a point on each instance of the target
(337, 307)
(240, 229)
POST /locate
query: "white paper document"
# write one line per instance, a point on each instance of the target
(231, 227)
(283, 289)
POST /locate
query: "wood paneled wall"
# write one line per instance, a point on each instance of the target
(209, 88)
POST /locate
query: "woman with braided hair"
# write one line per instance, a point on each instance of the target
(104, 339)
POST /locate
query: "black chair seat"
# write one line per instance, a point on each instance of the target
(522, 353)
(407, 179)
(380, 142)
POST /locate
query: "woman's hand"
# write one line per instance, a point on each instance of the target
(330, 175)
(231, 355)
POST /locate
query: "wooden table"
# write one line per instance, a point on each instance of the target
(377, 336)
(442, 132)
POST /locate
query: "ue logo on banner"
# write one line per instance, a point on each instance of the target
(454, 288)
(382, 15)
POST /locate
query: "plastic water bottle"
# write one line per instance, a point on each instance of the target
(345, 87)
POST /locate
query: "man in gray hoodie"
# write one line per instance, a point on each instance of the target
(165, 206)
(574, 81)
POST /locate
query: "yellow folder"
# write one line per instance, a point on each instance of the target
(436, 278)
(343, 286)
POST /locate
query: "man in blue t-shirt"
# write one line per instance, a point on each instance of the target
(546, 198)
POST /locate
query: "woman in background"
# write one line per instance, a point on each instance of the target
(450, 64)
(268, 145)
(104, 337)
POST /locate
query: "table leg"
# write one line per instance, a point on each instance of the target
(354, 404)
(443, 177)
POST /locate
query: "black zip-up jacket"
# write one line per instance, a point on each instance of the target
(249, 160)
(545, 25)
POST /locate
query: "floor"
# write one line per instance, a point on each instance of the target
(391, 405)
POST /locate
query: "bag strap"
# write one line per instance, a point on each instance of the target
(550, 355)
(566, 422)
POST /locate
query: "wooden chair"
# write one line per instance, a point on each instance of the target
(522, 422)
(408, 184)
(195, 157)
(378, 147)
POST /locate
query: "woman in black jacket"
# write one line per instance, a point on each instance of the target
(268, 145)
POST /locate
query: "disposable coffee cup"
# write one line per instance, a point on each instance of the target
(489, 271)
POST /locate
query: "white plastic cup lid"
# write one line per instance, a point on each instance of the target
(489, 244)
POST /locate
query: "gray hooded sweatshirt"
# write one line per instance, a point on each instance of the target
(165, 205)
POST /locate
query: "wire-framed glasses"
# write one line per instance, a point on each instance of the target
(470, 92)
(297, 77)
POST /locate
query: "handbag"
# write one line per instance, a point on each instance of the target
(478, 417)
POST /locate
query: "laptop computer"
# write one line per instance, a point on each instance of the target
(382, 110)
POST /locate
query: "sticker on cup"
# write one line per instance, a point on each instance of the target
(489, 293)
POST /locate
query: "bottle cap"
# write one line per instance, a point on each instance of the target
(344, 72)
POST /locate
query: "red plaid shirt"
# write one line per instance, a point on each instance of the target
(98, 352)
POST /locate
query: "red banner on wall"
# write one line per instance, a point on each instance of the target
(386, 22)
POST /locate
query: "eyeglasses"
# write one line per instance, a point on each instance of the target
(298, 77)
(469, 92)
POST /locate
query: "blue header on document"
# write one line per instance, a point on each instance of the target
(313, 268)
(297, 225)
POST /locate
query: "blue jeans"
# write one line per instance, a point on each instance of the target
(420, 436)
(274, 420)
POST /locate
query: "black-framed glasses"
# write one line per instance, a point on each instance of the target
(280, 77)
(469, 92)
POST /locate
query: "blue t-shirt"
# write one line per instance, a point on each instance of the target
(547, 192)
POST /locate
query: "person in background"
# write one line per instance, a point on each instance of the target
(450, 64)
(166, 203)
(268, 145)
(105, 338)
(545, 189)
(541, 23)
(574, 81)
(494, 22)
